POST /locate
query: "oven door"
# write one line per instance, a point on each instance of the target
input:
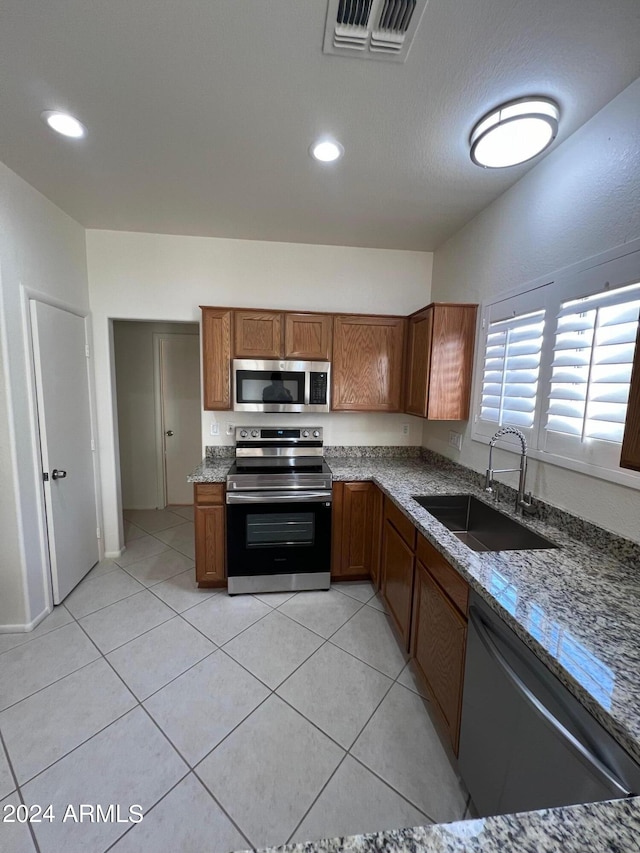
(278, 533)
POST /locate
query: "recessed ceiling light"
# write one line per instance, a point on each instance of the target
(514, 132)
(326, 150)
(64, 123)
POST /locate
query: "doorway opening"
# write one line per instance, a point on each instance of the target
(157, 369)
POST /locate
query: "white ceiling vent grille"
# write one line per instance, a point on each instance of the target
(372, 29)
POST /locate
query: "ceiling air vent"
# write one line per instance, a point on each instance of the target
(372, 29)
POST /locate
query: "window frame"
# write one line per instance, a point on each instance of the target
(619, 268)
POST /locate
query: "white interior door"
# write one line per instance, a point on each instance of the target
(64, 416)
(181, 418)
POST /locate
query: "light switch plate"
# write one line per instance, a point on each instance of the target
(455, 439)
(215, 429)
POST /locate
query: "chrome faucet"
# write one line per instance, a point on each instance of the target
(521, 503)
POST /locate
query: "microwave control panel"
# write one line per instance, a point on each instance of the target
(318, 389)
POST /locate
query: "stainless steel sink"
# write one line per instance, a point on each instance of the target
(479, 526)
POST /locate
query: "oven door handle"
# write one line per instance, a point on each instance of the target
(290, 497)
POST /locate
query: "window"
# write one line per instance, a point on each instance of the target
(556, 363)
(511, 370)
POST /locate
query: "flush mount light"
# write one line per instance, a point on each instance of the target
(514, 132)
(326, 150)
(64, 123)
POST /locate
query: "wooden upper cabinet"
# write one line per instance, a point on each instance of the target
(258, 334)
(630, 457)
(367, 363)
(419, 336)
(440, 361)
(308, 336)
(216, 356)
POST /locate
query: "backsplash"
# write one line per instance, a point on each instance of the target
(374, 452)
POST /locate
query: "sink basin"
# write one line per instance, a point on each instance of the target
(479, 526)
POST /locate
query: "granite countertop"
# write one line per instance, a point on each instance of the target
(612, 826)
(577, 607)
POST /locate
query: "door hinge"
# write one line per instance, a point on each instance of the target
(45, 476)
(86, 351)
(483, 322)
(97, 532)
(93, 444)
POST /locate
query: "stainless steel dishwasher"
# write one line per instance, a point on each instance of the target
(525, 742)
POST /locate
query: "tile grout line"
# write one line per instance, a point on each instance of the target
(168, 739)
(18, 789)
(272, 691)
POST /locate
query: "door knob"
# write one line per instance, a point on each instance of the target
(169, 432)
(58, 475)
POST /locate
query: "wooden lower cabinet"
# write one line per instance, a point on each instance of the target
(438, 644)
(209, 521)
(397, 568)
(355, 531)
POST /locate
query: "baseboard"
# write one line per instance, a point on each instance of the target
(25, 627)
(113, 555)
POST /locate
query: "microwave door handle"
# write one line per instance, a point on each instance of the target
(536, 705)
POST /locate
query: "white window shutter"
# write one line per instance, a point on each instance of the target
(591, 368)
(511, 370)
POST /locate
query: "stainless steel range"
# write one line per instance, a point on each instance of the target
(278, 511)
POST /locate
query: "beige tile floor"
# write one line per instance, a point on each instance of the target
(234, 722)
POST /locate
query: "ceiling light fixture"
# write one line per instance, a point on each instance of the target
(64, 123)
(514, 132)
(326, 150)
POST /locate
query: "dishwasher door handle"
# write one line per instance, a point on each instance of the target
(570, 740)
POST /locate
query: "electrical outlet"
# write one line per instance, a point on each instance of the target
(215, 429)
(455, 439)
(230, 429)
(405, 429)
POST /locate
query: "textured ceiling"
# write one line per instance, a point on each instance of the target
(200, 114)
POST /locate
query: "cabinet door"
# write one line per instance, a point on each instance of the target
(258, 334)
(397, 579)
(308, 336)
(630, 457)
(453, 336)
(367, 363)
(438, 641)
(210, 545)
(216, 355)
(418, 362)
(353, 518)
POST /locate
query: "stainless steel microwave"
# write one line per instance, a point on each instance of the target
(281, 386)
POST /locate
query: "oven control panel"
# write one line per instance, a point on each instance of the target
(284, 436)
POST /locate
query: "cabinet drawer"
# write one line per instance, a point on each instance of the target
(208, 493)
(447, 577)
(401, 523)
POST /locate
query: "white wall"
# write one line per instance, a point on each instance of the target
(136, 404)
(41, 249)
(162, 277)
(581, 200)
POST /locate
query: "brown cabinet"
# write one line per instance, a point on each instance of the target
(630, 457)
(440, 340)
(367, 363)
(439, 635)
(355, 531)
(216, 355)
(397, 567)
(308, 336)
(209, 521)
(258, 334)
